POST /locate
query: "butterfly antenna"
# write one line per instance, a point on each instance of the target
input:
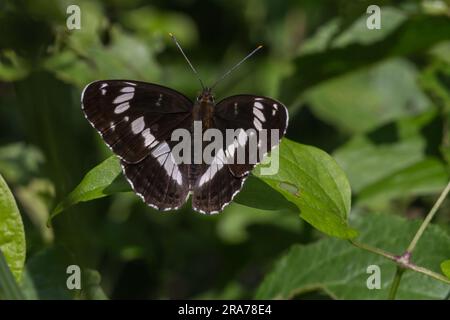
(236, 66)
(189, 62)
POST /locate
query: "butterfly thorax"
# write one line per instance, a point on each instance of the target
(203, 109)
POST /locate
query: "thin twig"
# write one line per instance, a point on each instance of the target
(428, 219)
(429, 273)
(377, 251)
(402, 261)
(396, 282)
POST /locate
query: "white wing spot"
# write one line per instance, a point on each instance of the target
(230, 150)
(162, 159)
(169, 164)
(127, 89)
(259, 114)
(162, 148)
(167, 160)
(220, 157)
(176, 175)
(257, 124)
(275, 109)
(202, 180)
(242, 138)
(130, 83)
(138, 125)
(123, 97)
(210, 173)
(102, 87)
(121, 108)
(126, 119)
(149, 138)
(154, 143)
(258, 105)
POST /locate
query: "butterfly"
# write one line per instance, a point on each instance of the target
(137, 119)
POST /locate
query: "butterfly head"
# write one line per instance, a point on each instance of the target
(206, 96)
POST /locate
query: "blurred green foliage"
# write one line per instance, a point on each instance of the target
(377, 100)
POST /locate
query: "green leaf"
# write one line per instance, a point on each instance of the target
(12, 235)
(445, 267)
(149, 21)
(258, 194)
(46, 275)
(12, 67)
(313, 181)
(425, 177)
(101, 181)
(357, 32)
(368, 98)
(233, 227)
(442, 51)
(340, 269)
(9, 290)
(19, 162)
(393, 161)
(433, 80)
(367, 162)
(314, 68)
(99, 61)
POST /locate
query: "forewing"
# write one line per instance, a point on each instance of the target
(267, 120)
(134, 117)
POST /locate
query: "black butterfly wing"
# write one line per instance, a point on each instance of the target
(128, 115)
(215, 188)
(255, 113)
(220, 181)
(159, 180)
(136, 120)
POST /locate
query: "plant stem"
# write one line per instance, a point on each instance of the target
(429, 273)
(402, 261)
(428, 219)
(378, 251)
(396, 282)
